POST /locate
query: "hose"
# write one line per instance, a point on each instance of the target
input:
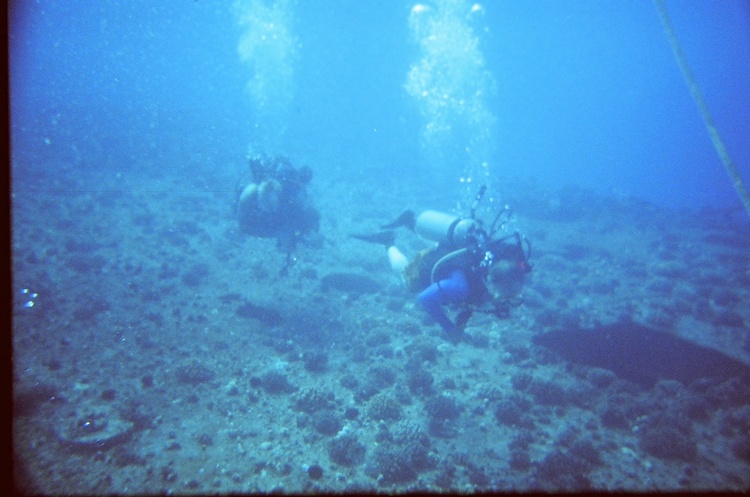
(443, 260)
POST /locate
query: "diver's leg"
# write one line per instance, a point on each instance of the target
(397, 259)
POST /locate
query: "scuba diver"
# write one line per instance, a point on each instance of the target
(467, 268)
(273, 203)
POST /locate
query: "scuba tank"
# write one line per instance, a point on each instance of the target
(445, 228)
(449, 228)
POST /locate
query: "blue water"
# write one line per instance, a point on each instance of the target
(585, 92)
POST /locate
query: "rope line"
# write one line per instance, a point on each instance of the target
(731, 169)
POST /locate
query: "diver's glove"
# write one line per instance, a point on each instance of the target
(463, 318)
(456, 335)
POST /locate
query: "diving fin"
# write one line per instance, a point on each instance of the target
(406, 219)
(386, 238)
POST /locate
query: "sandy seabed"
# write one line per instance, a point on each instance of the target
(165, 353)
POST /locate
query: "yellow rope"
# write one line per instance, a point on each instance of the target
(734, 175)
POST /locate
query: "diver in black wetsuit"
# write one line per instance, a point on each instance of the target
(274, 203)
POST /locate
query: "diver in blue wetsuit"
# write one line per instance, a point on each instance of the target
(467, 269)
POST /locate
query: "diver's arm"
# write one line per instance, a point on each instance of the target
(453, 289)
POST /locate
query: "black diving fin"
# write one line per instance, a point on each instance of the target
(406, 219)
(386, 238)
